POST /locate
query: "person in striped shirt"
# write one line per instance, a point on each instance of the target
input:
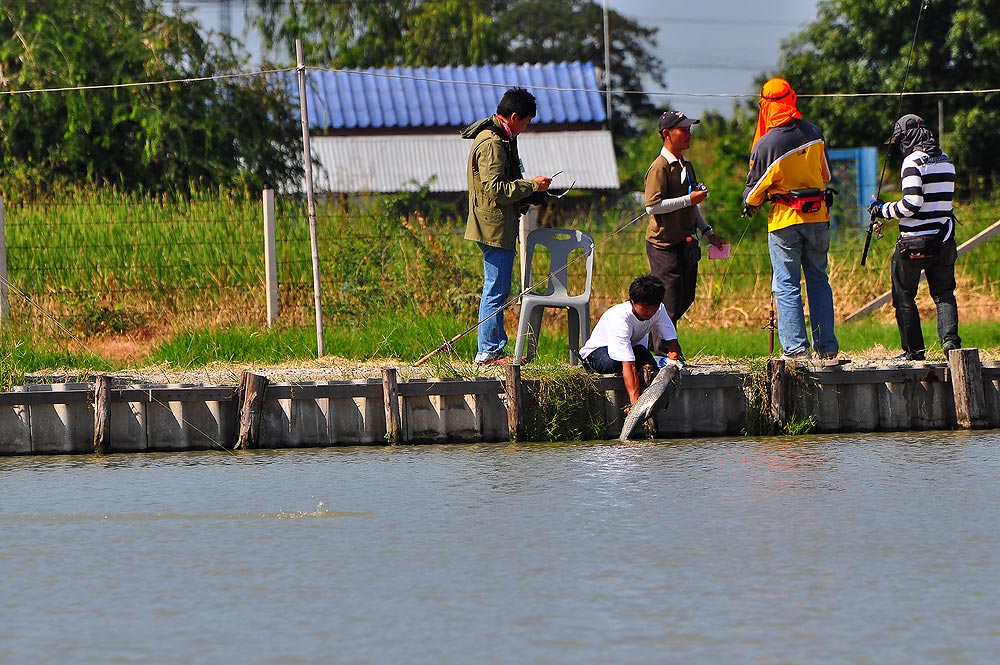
(926, 236)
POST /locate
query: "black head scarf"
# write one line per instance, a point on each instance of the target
(910, 133)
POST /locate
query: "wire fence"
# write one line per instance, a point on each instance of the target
(130, 264)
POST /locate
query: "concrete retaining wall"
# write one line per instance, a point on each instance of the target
(60, 417)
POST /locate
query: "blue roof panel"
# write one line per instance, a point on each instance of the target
(567, 92)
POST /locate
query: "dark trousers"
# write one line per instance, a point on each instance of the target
(677, 268)
(940, 273)
(599, 361)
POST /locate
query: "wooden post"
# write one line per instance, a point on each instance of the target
(390, 394)
(250, 399)
(4, 294)
(102, 414)
(777, 378)
(270, 258)
(967, 384)
(515, 415)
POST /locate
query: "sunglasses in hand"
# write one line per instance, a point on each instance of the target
(565, 191)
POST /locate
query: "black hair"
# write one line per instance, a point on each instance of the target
(519, 101)
(646, 290)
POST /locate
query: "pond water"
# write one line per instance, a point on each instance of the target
(877, 548)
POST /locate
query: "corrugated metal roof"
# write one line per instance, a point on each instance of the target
(379, 163)
(448, 96)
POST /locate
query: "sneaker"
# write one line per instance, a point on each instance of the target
(801, 355)
(487, 357)
(907, 356)
(827, 356)
(502, 360)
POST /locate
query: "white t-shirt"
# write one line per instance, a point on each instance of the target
(619, 330)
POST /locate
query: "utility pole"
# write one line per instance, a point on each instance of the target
(607, 62)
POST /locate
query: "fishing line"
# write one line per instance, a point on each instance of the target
(875, 226)
(79, 341)
(447, 345)
(899, 102)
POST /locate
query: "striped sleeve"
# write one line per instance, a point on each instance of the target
(928, 187)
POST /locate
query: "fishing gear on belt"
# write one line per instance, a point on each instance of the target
(806, 199)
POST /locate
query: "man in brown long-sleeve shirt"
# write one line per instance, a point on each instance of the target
(673, 193)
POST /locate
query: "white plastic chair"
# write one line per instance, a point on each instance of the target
(561, 243)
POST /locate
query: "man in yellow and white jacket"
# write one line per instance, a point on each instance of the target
(789, 168)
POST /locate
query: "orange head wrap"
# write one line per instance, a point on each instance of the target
(777, 107)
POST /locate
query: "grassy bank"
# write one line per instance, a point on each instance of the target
(133, 281)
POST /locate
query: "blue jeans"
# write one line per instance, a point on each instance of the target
(498, 271)
(600, 362)
(795, 251)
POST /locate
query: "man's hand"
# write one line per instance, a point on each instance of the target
(698, 195)
(876, 209)
(749, 210)
(543, 182)
(716, 240)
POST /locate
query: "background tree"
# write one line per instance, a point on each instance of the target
(233, 132)
(862, 46)
(361, 33)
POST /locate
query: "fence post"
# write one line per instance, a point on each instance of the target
(776, 396)
(966, 372)
(270, 258)
(515, 415)
(4, 295)
(250, 402)
(390, 395)
(300, 69)
(102, 414)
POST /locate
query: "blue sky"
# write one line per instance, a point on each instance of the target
(716, 46)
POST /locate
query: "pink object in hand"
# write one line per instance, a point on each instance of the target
(718, 252)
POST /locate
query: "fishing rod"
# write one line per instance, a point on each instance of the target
(79, 341)
(449, 345)
(875, 226)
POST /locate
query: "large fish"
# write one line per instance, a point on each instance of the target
(656, 396)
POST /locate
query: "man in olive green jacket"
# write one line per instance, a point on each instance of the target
(498, 195)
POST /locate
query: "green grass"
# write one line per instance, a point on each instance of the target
(396, 284)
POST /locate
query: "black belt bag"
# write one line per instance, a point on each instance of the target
(691, 249)
(920, 247)
(806, 199)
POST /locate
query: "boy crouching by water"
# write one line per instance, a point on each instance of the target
(618, 343)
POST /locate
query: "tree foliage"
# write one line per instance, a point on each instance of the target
(238, 131)
(863, 46)
(361, 33)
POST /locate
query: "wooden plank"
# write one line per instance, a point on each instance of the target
(390, 395)
(967, 384)
(689, 381)
(165, 395)
(47, 397)
(425, 388)
(877, 375)
(324, 390)
(965, 247)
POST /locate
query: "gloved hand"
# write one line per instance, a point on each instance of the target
(875, 209)
(749, 211)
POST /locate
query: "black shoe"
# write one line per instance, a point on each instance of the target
(949, 346)
(907, 355)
